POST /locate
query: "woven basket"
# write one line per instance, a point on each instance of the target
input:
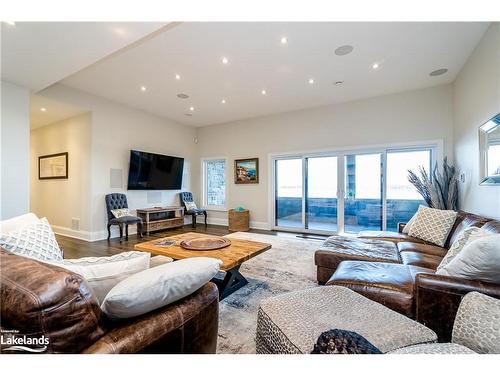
(239, 221)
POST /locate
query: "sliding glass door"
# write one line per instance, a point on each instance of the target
(347, 191)
(363, 192)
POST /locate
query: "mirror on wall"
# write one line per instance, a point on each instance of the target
(489, 148)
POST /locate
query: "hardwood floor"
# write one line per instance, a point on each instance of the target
(75, 248)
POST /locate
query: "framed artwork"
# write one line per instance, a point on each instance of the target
(54, 166)
(246, 171)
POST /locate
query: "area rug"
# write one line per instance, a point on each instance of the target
(287, 266)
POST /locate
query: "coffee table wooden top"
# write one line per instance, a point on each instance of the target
(234, 255)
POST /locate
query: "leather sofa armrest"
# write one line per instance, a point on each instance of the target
(401, 225)
(438, 298)
(187, 326)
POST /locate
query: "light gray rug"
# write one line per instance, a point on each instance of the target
(288, 266)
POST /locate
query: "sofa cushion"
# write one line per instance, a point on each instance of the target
(414, 258)
(492, 226)
(41, 299)
(421, 248)
(389, 236)
(444, 348)
(336, 249)
(463, 221)
(387, 283)
(433, 225)
(292, 322)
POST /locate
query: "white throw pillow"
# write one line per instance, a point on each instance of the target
(190, 206)
(432, 225)
(406, 228)
(34, 241)
(457, 246)
(103, 273)
(478, 260)
(159, 286)
(18, 222)
(121, 212)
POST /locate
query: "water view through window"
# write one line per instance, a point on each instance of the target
(307, 188)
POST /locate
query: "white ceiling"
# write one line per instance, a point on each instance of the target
(54, 111)
(406, 52)
(38, 54)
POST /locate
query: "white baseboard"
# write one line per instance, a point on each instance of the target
(68, 232)
(253, 224)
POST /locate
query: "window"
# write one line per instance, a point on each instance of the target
(214, 183)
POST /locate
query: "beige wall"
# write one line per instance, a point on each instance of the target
(413, 116)
(115, 130)
(61, 201)
(14, 155)
(477, 99)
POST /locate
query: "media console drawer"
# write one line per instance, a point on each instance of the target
(160, 218)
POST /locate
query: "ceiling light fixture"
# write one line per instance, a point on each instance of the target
(177, 77)
(143, 88)
(191, 109)
(10, 23)
(311, 81)
(263, 92)
(225, 60)
(43, 109)
(344, 50)
(438, 72)
(375, 66)
(223, 101)
(338, 83)
(284, 40)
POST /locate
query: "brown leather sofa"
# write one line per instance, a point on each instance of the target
(40, 299)
(403, 276)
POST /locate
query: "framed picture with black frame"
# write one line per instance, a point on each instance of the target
(52, 167)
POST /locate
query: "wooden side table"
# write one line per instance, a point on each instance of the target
(239, 221)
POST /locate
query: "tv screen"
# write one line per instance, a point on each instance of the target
(149, 171)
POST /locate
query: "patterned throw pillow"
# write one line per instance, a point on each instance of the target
(190, 206)
(121, 212)
(432, 225)
(409, 224)
(34, 241)
(457, 246)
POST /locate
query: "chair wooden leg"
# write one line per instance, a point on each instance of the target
(204, 213)
(140, 228)
(193, 224)
(121, 231)
(109, 231)
(126, 232)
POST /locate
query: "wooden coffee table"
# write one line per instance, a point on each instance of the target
(232, 257)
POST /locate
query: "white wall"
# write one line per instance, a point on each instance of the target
(477, 99)
(15, 150)
(115, 130)
(62, 200)
(421, 115)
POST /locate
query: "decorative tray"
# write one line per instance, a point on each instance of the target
(205, 244)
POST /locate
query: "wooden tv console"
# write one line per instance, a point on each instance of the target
(160, 218)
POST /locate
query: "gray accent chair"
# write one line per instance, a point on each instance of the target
(116, 201)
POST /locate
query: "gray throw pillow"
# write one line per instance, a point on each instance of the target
(457, 246)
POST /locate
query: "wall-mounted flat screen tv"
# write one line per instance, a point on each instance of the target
(149, 171)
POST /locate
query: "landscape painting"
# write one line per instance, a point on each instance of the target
(246, 171)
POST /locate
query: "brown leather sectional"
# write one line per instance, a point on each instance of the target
(401, 274)
(40, 299)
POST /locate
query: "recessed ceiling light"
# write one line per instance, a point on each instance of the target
(177, 77)
(311, 81)
(10, 23)
(438, 72)
(191, 109)
(223, 101)
(143, 88)
(263, 92)
(344, 50)
(182, 96)
(375, 66)
(338, 83)
(225, 60)
(43, 109)
(284, 40)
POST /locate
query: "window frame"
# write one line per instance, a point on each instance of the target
(204, 182)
